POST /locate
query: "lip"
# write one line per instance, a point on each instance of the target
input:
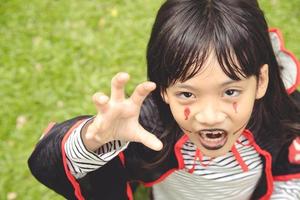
(213, 139)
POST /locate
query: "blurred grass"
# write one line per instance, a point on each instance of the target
(55, 54)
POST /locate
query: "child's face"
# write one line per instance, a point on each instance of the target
(212, 109)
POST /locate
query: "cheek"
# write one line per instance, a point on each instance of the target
(241, 111)
(235, 107)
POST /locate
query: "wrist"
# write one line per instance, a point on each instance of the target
(91, 143)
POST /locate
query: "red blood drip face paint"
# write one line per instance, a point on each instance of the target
(186, 113)
(235, 106)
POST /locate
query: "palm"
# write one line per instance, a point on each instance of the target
(117, 117)
(120, 121)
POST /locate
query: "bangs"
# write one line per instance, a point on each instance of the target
(197, 31)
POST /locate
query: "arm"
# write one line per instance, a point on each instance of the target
(116, 120)
(82, 161)
(46, 162)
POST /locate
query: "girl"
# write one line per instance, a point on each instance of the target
(214, 121)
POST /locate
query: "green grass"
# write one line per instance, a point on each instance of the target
(55, 54)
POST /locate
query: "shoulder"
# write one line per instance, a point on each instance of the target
(287, 163)
(290, 66)
(294, 151)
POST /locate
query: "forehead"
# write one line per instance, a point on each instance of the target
(211, 69)
(208, 77)
(209, 61)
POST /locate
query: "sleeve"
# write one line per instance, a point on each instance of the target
(48, 164)
(288, 190)
(81, 161)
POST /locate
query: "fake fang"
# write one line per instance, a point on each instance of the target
(213, 139)
(186, 113)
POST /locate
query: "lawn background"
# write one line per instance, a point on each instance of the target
(54, 54)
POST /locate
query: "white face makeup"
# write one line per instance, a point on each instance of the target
(212, 109)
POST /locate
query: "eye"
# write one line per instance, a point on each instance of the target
(232, 93)
(185, 95)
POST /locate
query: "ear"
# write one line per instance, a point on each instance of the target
(263, 81)
(165, 97)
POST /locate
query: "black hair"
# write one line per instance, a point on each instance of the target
(185, 32)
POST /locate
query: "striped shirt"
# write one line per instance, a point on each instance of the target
(218, 178)
(81, 161)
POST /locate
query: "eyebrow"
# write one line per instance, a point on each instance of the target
(188, 86)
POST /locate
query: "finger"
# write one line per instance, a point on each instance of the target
(149, 140)
(117, 86)
(101, 102)
(141, 92)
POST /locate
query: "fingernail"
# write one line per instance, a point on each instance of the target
(150, 86)
(159, 146)
(103, 99)
(123, 75)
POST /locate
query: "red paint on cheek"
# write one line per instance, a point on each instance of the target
(186, 113)
(235, 106)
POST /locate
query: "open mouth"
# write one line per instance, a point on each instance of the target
(213, 139)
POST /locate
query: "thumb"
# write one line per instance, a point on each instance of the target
(149, 140)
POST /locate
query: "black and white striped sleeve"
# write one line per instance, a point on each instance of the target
(287, 190)
(81, 161)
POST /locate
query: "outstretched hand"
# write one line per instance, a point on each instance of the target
(117, 116)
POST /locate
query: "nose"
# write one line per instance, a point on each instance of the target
(210, 116)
